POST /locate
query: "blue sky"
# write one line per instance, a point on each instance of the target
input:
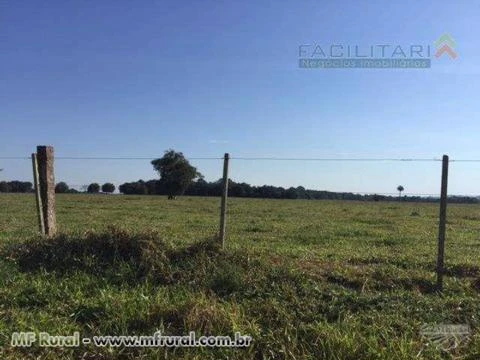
(122, 78)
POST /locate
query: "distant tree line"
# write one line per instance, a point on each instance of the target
(16, 186)
(60, 188)
(204, 188)
(179, 177)
(63, 188)
(93, 188)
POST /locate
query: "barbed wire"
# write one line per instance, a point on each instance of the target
(255, 158)
(372, 159)
(330, 159)
(465, 160)
(102, 158)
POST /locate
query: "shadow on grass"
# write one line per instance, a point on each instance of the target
(422, 285)
(455, 270)
(122, 258)
(475, 284)
(403, 264)
(90, 252)
(116, 253)
(462, 270)
(379, 282)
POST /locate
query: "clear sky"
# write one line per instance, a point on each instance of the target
(124, 78)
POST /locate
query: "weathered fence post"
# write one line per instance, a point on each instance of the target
(45, 159)
(223, 211)
(442, 224)
(38, 198)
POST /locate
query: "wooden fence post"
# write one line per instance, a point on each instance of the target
(38, 198)
(442, 224)
(223, 210)
(45, 159)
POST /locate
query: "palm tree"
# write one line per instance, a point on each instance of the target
(400, 189)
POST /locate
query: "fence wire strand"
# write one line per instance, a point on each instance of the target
(245, 158)
(269, 158)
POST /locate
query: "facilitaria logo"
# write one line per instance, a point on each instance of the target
(374, 56)
(445, 45)
(445, 336)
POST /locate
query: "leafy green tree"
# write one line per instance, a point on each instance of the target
(93, 188)
(16, 186)
(291, 193)
(108, 188)
(137, 187)
(176, 173)
(61, 188)
(4, 187)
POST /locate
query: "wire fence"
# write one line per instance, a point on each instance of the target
(81, 187)
(254, 158)
(193, 218)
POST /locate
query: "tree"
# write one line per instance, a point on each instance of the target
(135, 188)
(176, 173)
(152, 187)
(400, 189)
(16, 186)
(108, 188)
(291, 193)
(61, 188)
(4, 187)
(93, 188)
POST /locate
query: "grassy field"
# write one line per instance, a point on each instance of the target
(306, 279)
